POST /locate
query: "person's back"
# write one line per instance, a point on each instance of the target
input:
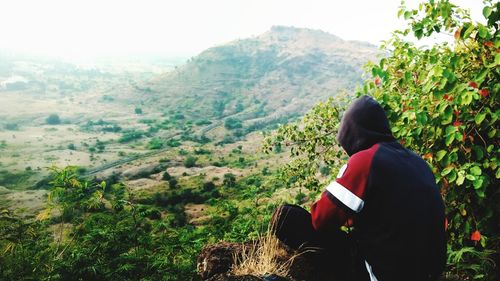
(387, 193)
(400, 231)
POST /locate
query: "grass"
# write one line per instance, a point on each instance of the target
(263, 257)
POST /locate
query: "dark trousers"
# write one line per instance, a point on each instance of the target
(335, 251)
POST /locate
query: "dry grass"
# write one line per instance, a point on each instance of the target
(264, 257)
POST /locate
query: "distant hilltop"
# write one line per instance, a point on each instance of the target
(282, 72)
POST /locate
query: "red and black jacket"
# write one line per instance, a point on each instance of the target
(390, 196)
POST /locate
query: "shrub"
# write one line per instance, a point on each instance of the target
(155, 143)
(53, 119)
(11, 126)
(208, 186)
(202, 122)
(229, 180)
(190, 162)
(172, 183)
(443, 103)
(166, 176)
(232, 123)
(130, 135)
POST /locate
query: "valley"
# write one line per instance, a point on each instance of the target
(111, 117)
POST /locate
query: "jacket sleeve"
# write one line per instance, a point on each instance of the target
(343, 198)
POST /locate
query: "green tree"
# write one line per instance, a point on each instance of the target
(172, 183)
(166, 176)
(190, 162)
(53, 119)
(232, 123)
(229, 180)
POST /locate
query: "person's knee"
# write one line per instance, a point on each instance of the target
(292, 225)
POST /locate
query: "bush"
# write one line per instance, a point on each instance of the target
(443, 103)
(130, 135)
(202, 122)
(324, 170)
(190, 162)
(172, 183)
(202, 151)
(166, 176)
(232, 123)
(11, 126)
(53, 119)
(138, 110)
(208, 186)
(229, 180)
(156, 143)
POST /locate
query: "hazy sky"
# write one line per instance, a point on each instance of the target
(83, 28)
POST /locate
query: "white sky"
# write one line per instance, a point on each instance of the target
(84, 28)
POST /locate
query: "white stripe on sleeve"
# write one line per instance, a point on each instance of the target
(345, 196)
(370, 272)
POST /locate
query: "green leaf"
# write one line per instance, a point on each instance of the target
(470, 177)
(449, 139)
(467, 98)
(483, 32)
(492, 133)
(468, 31)
(400, 12)
(440, 154)
(407, 15)
(452, 176)
(486, 12)
(497, 175)
(446, 171)
(480, 193)
(478, 183)
(450, 130)
(480, 77)
(475, 170)
(479, 118)
(478, 151)
(419, 33)
(447, 115)
(422, 118)
(460, 178)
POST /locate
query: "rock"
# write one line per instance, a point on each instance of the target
(215, 262)
(217, 259)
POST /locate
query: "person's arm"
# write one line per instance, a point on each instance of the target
(344, 197)
(326, 215)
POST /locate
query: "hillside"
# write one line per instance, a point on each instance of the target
(278, 74)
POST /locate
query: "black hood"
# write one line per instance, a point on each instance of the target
(363, 125)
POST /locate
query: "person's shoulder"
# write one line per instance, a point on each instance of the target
(365, 154)
(362, 160)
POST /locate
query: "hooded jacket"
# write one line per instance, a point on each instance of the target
(390, 195)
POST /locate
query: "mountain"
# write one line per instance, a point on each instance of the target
(276, 75)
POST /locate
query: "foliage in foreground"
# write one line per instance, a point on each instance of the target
(442, 102)
(94, 231)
